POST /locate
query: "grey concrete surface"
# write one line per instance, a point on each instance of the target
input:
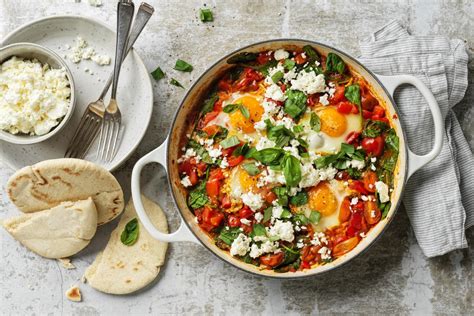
(393, 277)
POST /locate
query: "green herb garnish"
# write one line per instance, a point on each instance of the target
(315, 122)
(295, 104)
(206, 15)
(242, 58)
(158, 74)
(335, 64)
(314, 217)
(198, 197)
(251, 168)
(176, 83)
(181, 65)
(277, 76)
(130, 233)
(228, 235)
(291, 170)
(230, 142)
(301, 198)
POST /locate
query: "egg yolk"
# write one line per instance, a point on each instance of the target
(333, 123)
(322, 199)
(247, 182)
(238, 120)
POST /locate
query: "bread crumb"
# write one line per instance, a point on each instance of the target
(74, 294)
(66, 263)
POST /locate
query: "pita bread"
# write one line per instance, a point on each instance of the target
(122, 269)
(59, 232)
(50, 182)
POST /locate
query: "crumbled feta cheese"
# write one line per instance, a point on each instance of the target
(358, 164)
(372, 214)
(319, 239)
(324, 99)
(314, 140)
(299, 244)
(382, 190)
(264, 142)
(186, 182)
(373, 159)
(33, 97)
(252, 200)
(258, 217)
(266, 247)
(95, 3)
(269, 176)
(240, 246)
(362, 234)
(287, 122)
(274, 92)
(372, 167)
(245, 221)
(281, 54)
(290, 75)
(354, 201)
(364, 198)
(272, 71)
(81, 51)
(309, 82)
(309, 175)
(325, 253)
(224, 163)
(277, 210)
(282, 230)
(327, 174)
(214, 153)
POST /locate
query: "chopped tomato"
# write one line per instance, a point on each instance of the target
(213, 184)
(248, 78)
(353, 137)
(338, 95)
(366, 114)
(226, 202)
(358, 186)
(226, 152)
(272, 260)
(381, 119)
(355, 224)
(234, 160)
(263, 58)
(372, 213)
(369, 180)
(218, 105)
(373, 146)
(300, 59)
(344, 107)
(305, 265)
(312, 100)
(355, 109)
(193, 177)
(368, 101)
(207, 227)
(217, 219)
(207, 118)
(207, 214)
(345, 210)
(246, 228)
(245, 212)
(345, 246)
(224, 85)
(270, 196)
(211, 130)
(233, 221)
(378, 110)
(283, 87)
(216, 174)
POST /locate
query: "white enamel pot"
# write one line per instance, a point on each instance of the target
(168, 153)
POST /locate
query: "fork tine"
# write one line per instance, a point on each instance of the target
(77, 143)
(114, 140)
(110, 140)
(101, 141)
(87, 137)
(106, 127)
(73, 141)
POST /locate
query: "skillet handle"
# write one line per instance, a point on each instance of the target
(415, 161)
(157, 155)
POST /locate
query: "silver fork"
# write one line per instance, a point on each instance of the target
(91, 120)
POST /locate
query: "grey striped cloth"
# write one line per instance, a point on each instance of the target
(439, 198)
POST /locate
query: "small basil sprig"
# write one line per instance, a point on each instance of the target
(295, 104)
(176, 83)
(373, 128)
(230, 142)
(315, 122)
(231, 108)
(335, 64)
(291, 170)
(205, 15)
(267, 156)
(251, 169)
(277, 76)
(198, 197)
(301, 198)
(228, 235)
(158, 74)
(352, 93)
(129, 235)
(181, 65)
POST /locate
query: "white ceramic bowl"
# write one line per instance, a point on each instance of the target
(45, 56)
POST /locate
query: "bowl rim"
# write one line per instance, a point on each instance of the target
(34, 139)
(286, 275)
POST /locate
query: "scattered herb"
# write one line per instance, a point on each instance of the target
(373, 128)
(334, 63)
(267, 156)
(286, 214)
(241, 150)
(258, 230)
(314, 217)
(315, 122)
(200, 150)
(298, 129)
(301, 198)
(245, 112)
(300, 219)
(289, 64)
(176, 83)
(206, 15)
(229, 235)
(251, 168)
(181, 65)
(230, 108)
(242, 58)
(311, 53)
(277, 76)
(130, 233)
(291, 170)
(158, 74)
(198, 197)
(282, 195)
(209, 103)
(230, 142)
(267, 214)
(279, 134)
(352, 93)
(391, 140)
(295, 104)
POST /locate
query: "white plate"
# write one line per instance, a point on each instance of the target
(134, 93)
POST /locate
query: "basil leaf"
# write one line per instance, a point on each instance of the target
(230, 108)
(130, 233)
(300, 219)
(251, 168)
(230, 142)
(209, 103)
(292, 170)
(258, 230)
(295, 104)
(242, 58)
(311, 53)
(385, 208)
(200, 150)
(373, 128)
(176, 83)
(181, 65)
(198, 197)
(241, 150)
(285, 214)
(298, 129)
(229, 235)
(282, 195)
(206, 15)
(245, 112)
(347, 149)
(277, 76)
(290, 256)
(158, 74)
(315, 122)
(301, 198)
(354, 173)
(221, 134)
(324, 161)
(314, 217)
(391, 140)
(303, 143)
(268, 156)
(267, 214)
(279, 134)
(334, 63)
(352, 93)
(289, 64)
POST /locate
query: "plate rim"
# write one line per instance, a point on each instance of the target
(140, 63)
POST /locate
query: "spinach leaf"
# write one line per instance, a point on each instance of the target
(230, 108)
(130, 233)
(347, 148)
(242, 58)
(251, 168)
(290, 256)
(282, 195)
(334, 63)
(301, 198)
(230, 142)
(198, 197)
(311, 53)
(291, 170)
(295, 104)
(268, 156)
(373, 128)
(267, 214)
(241, 150)
(279, 134)
(289, 64)
(176, 83)
(391, 140)
(228, 235)
(209, 104)
(352, 93)
(298, 129)
(258, 230)
(277, 76)
(181, 65)
(158, 74)
(200, 150)
(315, 122)
(206, 15)
(300, 219)
(314, 217)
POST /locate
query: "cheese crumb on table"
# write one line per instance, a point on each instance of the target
(74, 294)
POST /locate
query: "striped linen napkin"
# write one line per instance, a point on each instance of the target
(439, 198)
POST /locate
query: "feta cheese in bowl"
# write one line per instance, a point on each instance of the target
(36, 93)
